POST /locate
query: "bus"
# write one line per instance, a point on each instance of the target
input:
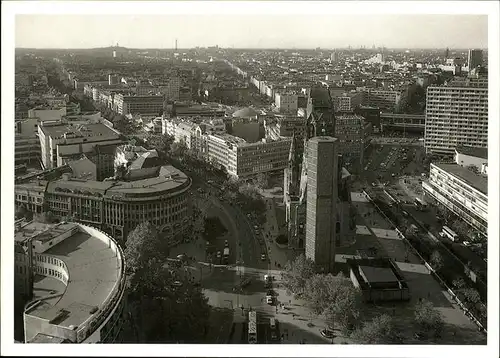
(449, 233)
(252, 327)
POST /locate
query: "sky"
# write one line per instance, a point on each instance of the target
(251, 31)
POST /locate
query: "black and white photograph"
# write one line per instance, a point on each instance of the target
(186, 178)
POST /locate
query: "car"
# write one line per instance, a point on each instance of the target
(466, 243)
(269, 300)
(263, 257)
(327, 333)
(218, 254)
(405, 213)
(245, 282)
(226, 244)
(177, 283)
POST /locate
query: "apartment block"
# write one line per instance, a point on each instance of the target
(456, 115)
(145, 105)
(462, 191)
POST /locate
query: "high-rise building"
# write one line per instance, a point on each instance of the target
(474, 59)
(457, 114)
(322, 195)
(334, 57)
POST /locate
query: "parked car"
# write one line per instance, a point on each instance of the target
(327, 333)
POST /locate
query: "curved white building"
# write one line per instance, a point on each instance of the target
(79, 284)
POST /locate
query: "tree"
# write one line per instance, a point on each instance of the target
(178, 149)
(458, 283)
(46, 217)
(143, 244)
(161, 143)
(122, 124)
(20, 211)
(262, 180)
(296, 274)
(345, 310)
(317, 293)
(165, 307)
(380, 330)
(436, 260)
(29, 215)
(282, 239)
(471, 295)
(428, 319)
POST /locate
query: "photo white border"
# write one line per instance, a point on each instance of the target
(10, 9)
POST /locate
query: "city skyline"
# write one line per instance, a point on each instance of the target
(251, 31)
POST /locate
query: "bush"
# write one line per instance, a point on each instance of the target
(282, 240)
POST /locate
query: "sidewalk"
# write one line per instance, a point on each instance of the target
(271, 231)
(297, 316)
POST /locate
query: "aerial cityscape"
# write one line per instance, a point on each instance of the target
(236, 193)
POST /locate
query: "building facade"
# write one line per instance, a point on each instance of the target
(322, 196)
(286, 102)
(145, 105)
(383, 99)
(158, 195)
(474, 58)
(455, 115)
(462, 191)
(61, 142)
(349, 131)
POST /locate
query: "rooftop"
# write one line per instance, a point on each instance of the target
(476, 181)
(245, 113)
(87, 130)
(93, 272)
(377, 274)
(165, 178)
(473, 151)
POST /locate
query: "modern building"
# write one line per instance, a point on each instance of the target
(457, 115)
(286, 102)
(27, 143)
(472, 157)
(79, 285)
(113, 79)
(242, 159)
(322, 196)
(474, 59)
(284, 126)
(348, 102)
(145, 105)
(61, 142)
(380, 280)
(384, 99)
(349, 131)
(47, 113)
(462, 190)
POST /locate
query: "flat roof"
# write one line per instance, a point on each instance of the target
(377, 274)
(45, 338)
(29, 230)
(168, 178)
(93, 271)
(476, 181)
(85, 130)
(473, 151)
